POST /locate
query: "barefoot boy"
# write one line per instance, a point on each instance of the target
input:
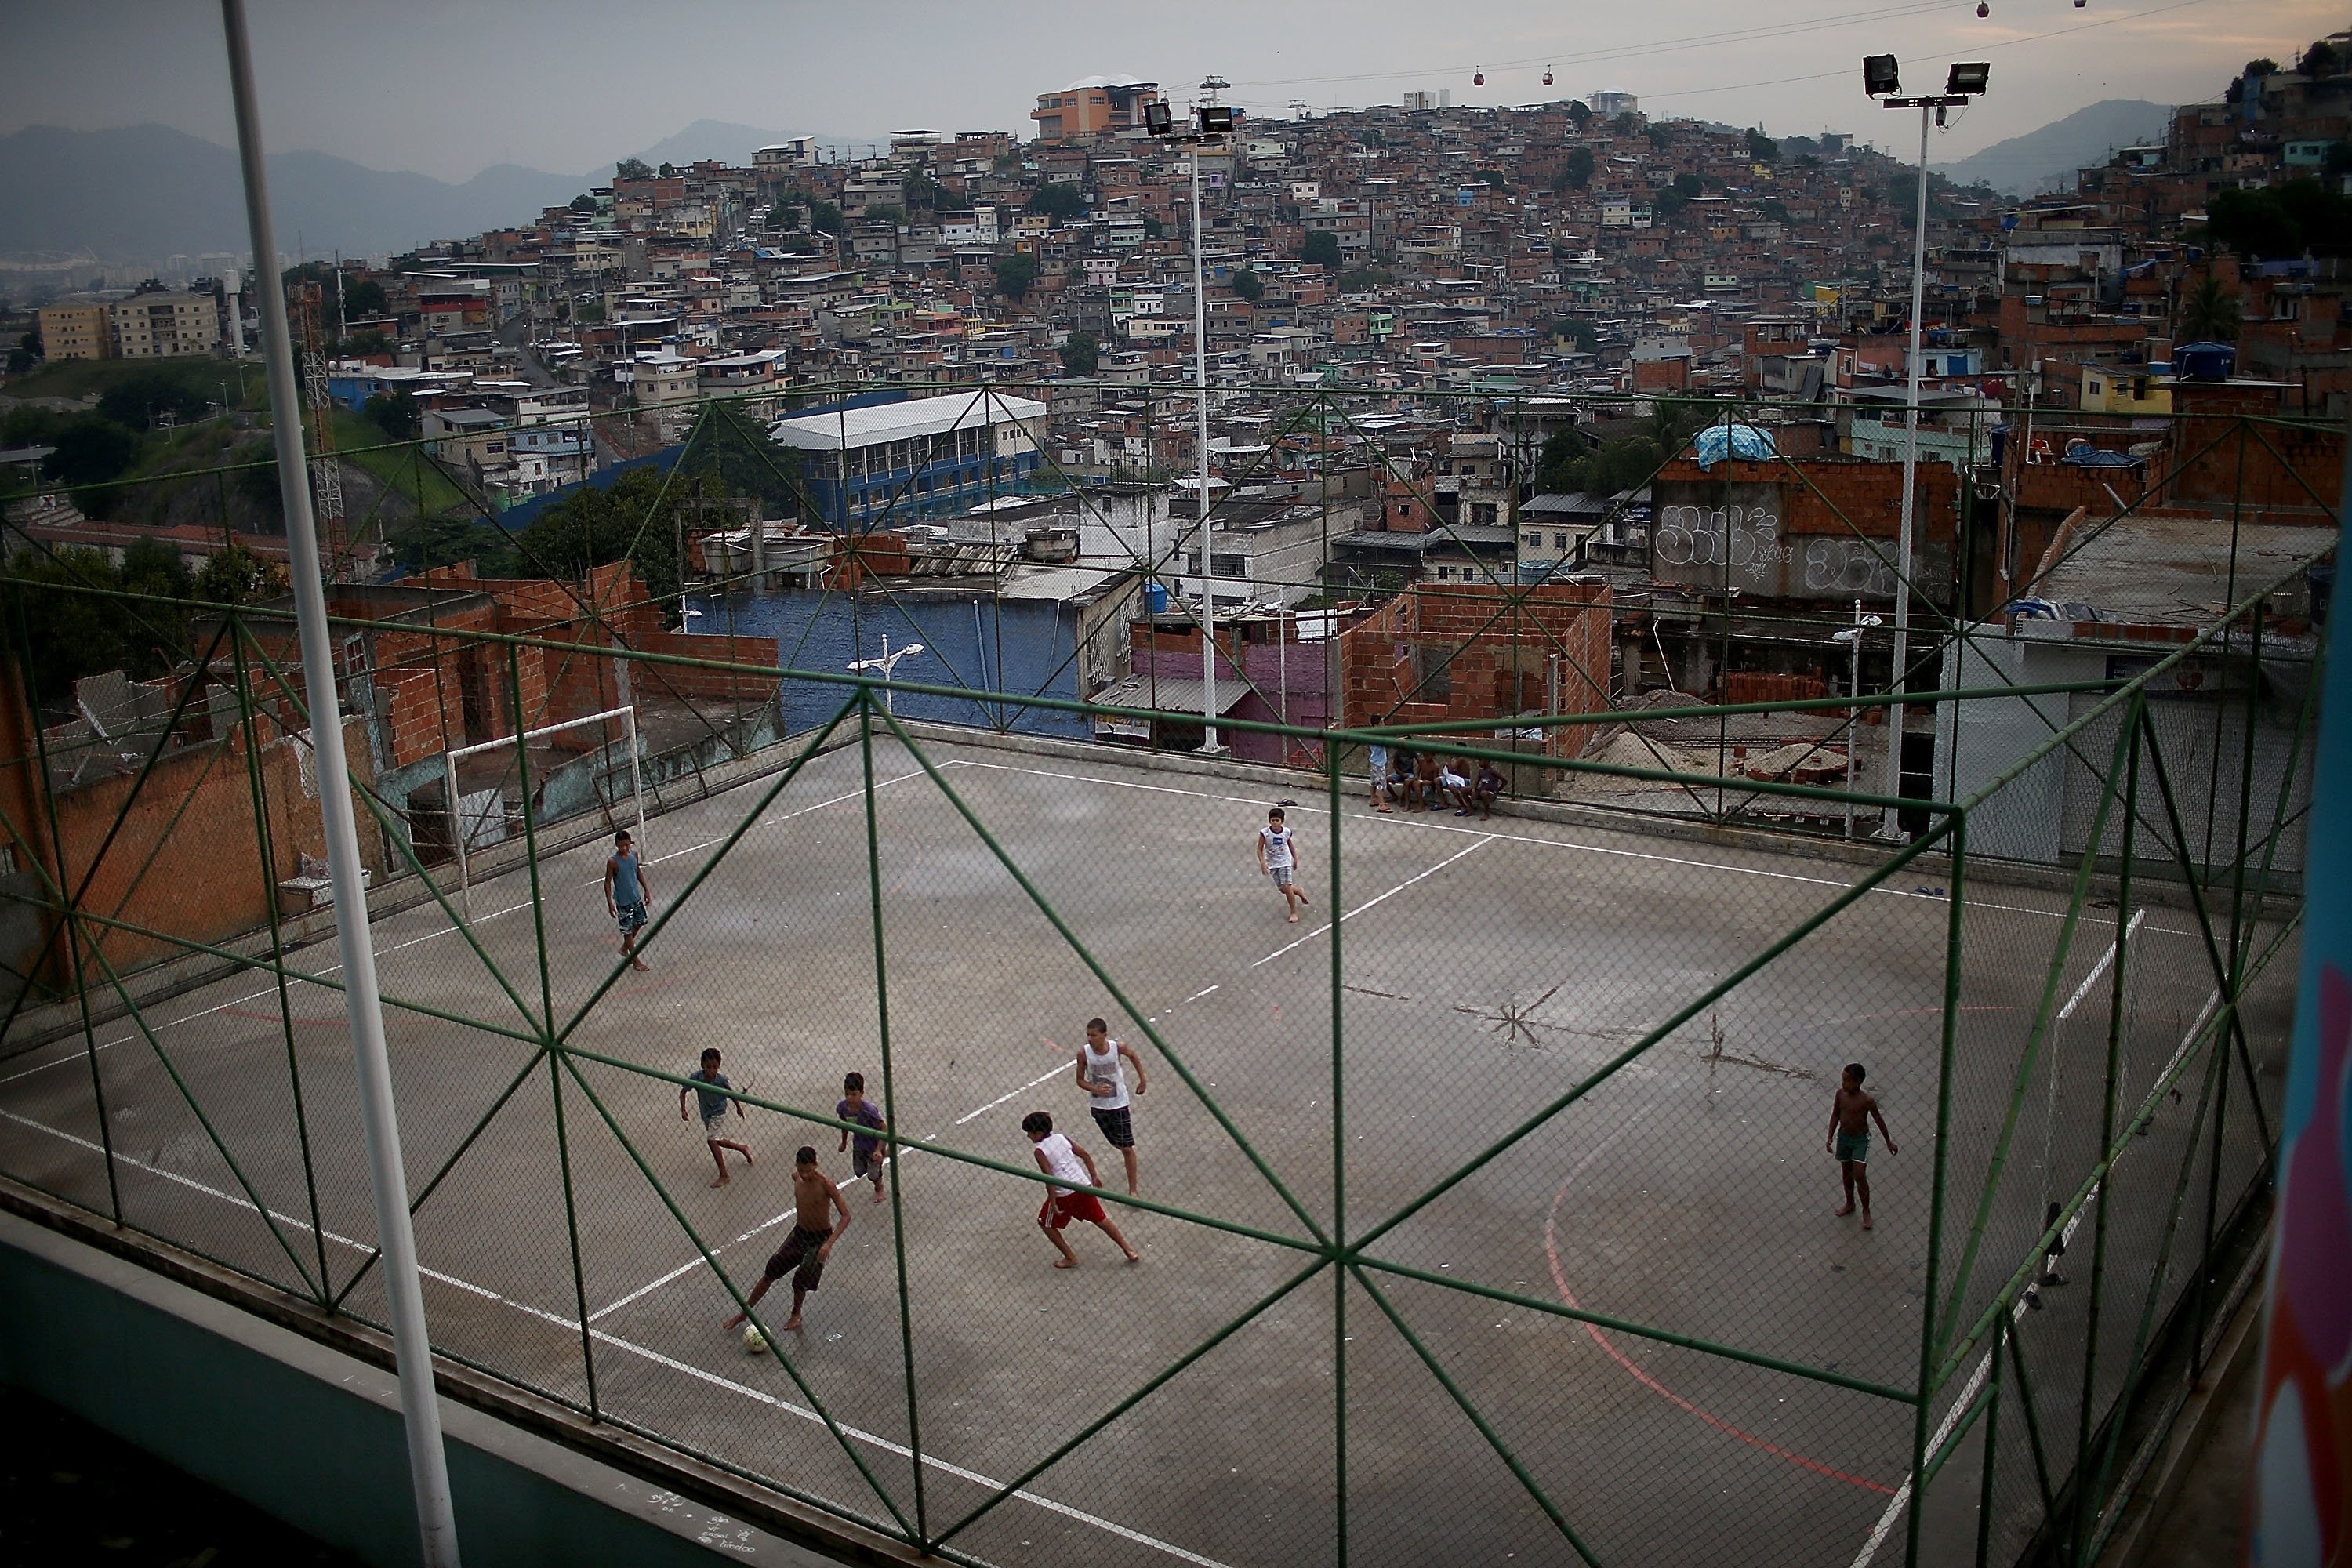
(802, 1255)
(1068, 1161)
(713, 1107)
(1851, 1114)
(1102, 1073)
(625, 895)
(865, 1160)
(1277, 856)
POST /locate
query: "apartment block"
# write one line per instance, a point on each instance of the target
(166, 325)
(77, 329)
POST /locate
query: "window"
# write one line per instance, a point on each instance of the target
(1560, 541)
(1535, 541)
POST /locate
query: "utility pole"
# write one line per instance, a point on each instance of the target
(1211, 120)
(420, 1407)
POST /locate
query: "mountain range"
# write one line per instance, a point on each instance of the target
(145, 192)
(2046, 158)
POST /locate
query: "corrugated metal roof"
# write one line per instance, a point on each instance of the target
(901, 421)
(1172, 694)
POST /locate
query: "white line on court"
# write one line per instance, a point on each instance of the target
(2100, 968)
(1408, 820)
(1368, 903)
(298, 975)
(871, 1438)
(1052, 1072)
(1885, 1525)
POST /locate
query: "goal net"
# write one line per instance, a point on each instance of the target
(557, 784)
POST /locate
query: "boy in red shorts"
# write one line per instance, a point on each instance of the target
(1068, 1161)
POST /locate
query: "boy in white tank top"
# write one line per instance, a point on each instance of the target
(1102, 1065)
(1068, 1161)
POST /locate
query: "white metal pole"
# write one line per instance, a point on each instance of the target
(1200, 439)
(1853, 722)
(1903, 561)
(636, 777)
(437, 1524)
(457, 834)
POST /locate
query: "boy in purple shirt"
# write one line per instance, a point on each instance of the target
(865, 1160)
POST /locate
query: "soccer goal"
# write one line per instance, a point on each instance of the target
(490, 806)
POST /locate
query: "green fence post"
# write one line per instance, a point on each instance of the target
(891, 1114)
(1339, 1176)
(265, 842)
(2084, 1512)
(1921, 1412)
(1984, 1483)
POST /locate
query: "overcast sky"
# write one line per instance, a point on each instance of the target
(448, 86)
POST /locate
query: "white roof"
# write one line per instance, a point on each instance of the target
(902, 421)
(1083, 83)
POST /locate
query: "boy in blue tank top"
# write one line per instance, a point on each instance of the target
(625, 895)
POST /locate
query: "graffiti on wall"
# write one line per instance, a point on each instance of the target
(1716, 536)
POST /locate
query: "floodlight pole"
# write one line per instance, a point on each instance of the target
(1201, 440)
(1891, 827)
(420, 1408)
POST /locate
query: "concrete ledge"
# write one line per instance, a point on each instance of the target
(313, 1435)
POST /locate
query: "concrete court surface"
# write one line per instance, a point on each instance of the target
(1487, 967)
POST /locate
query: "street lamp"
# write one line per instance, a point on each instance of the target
(1882, 80)
(1852, 637)
(1209, 120)
(888, 664)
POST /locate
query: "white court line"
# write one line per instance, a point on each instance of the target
(1408, 820)
(1052, 1072)
(687, 1268)
(871, 1438)
(2100, 968)
(1885, 1525)
(1368, 903)
(298, 976)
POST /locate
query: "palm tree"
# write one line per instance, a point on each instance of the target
(2211, 314)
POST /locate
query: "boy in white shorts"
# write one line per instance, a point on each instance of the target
(1277, 856)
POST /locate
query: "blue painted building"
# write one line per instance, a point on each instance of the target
(927, 457)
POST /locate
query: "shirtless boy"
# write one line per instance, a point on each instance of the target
(802, 1255)
(1851, 1114)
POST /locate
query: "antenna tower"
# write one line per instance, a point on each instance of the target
(326, 468)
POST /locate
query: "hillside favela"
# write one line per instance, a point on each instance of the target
(1639, 701)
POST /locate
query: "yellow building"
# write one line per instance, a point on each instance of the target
(1097, 106)
(166, 325)
(2124, 392)
(77, 329)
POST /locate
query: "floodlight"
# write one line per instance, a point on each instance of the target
(1216, 118)
(1157, 119)
(1880, 75)
(1967, 79)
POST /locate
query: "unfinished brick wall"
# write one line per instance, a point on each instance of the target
(1478, 652)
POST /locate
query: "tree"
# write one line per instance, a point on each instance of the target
(670, 171)
(1015, 273)
(1577, 172)
(2260, 65)
(584, 204)
(364, 296)
(393, 413)
(1360, 279)
(238, 576)
(1061, 202)
(1659, 135)
(824, 217)
(91, 450)
(1579, 111)
(1667, 202)
(920, 192)
(1687, 183)
(2278, 223)
(1626, 124)
(2211, 314)
(633, 169)
(634, 521)
(1761, 148)
(2321, 59)
(1321, 249)
(1080, 355)
(1560, 469)
(1493, 177)
(135, 401)
(1580, 333)
(1248, 284)
(890, 212)
(1153, 228)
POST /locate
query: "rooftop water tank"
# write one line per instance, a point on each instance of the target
(2204, 362)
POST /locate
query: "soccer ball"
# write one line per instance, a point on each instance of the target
(753, 1341)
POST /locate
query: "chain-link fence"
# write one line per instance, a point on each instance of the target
(1474, 1174)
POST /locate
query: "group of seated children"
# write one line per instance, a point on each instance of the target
(1423, 782)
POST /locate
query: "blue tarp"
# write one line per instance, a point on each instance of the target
(1717, 442)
